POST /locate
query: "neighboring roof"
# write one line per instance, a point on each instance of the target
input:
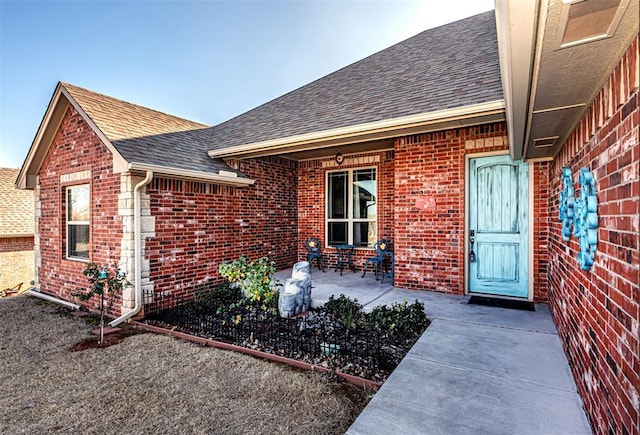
(143, 135)
(16, 206)
(451, 66)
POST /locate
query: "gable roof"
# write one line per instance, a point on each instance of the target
(436, 71)
(139, 138)
(146, 136)
(16, 207)
(121, 120)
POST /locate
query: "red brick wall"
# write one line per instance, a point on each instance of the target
(76, 148)
(311, 200)
(16, 262)
(541, 223)
(199, 225)
(12, 244)
(429, 244)
(597, 312)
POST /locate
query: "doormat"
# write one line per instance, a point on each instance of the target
(502, 303)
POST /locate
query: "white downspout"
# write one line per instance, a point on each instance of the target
(46, 297)
(137, 252)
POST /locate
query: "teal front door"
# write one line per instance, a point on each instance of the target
(498, 226)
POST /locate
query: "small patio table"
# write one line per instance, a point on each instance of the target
(344, 257)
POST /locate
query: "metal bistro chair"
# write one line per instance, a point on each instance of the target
(381, 248)
(312, 245)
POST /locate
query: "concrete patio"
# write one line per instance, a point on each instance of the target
(366, 290)
(476, 369)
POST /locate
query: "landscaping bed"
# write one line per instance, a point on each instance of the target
(338, 336)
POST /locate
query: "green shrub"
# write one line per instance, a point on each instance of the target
(401, 318)
(254, 280)
(346, 311)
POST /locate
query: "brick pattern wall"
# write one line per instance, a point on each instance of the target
(541, 223)
(430, 241)
(76, 149)
(199, 225)
(597, 312)
(16, 262)
(12, 244)
(428, 244)
(312, 205)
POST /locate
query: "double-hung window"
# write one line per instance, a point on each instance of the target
(352, 216)
(77, 217)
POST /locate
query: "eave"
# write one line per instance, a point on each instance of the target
(553, 60)
(516, 29)
(465, 116)
(222, 177)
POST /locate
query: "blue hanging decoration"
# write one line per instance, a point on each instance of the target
(586, 221)
(567, 202)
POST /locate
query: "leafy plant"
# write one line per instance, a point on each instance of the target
(220, 298)
(346, 311)
(404, 318)
(101, 281)
(254, 279)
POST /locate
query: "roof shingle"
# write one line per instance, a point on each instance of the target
(16, 206)
(451, 66)
(120, 120)
(454, 65)
(143, 135)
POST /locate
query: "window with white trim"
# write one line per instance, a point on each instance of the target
(352, 210)
(77, 221)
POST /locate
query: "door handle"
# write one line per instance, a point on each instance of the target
(472, 240)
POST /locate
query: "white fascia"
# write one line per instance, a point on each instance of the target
(459, 116)
(516, 23)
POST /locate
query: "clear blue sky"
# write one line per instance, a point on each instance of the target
(202, 60)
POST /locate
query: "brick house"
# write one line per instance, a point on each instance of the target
(458, 133)
(16, 233)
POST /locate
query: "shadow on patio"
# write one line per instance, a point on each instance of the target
(323, 285)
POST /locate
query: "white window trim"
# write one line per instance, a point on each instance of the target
(350, 220)
(68, 223)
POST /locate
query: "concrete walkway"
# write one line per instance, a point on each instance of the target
(476, 370)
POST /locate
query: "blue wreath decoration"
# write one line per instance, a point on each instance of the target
(567, 202)
(581, 213)
(586, 222)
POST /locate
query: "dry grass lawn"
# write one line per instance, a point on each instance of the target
(150, 384)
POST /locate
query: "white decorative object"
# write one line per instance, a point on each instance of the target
(295, 297)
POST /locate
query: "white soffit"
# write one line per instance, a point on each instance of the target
(579, 43)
